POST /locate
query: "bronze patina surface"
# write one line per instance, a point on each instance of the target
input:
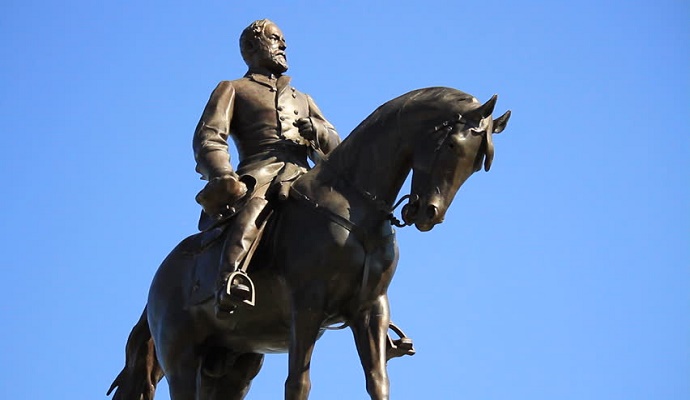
(290, 251)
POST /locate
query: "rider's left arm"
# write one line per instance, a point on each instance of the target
(326, 137)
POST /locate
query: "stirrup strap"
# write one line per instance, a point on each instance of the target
(250, 254)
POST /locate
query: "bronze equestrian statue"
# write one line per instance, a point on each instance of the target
(322, 253)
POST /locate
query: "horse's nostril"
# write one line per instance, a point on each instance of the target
(431, 211)
(409, 213)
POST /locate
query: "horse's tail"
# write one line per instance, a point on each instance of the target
(142, 372)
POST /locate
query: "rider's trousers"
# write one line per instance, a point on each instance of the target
(242, 232)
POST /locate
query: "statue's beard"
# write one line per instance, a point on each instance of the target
(274, 61)
(279, 63)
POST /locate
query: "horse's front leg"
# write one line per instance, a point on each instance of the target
(370, 329)
(307, 316)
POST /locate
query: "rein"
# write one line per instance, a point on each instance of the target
(369, 242)
(361, 234)
(380, 205)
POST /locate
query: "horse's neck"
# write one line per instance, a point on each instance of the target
(375, 163)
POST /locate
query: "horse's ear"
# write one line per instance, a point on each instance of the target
(488, 107)
(501, 122)
(484, 110)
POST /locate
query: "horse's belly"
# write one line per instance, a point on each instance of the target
(263, 328)
(274, 342)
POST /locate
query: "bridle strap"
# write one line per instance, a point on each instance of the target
(378, 204)
(381, 205)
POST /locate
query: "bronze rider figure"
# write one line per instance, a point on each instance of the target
(276, 128)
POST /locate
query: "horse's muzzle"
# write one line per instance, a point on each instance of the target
(424, 218)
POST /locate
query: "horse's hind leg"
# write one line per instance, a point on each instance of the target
(370, 328)
(225, 375)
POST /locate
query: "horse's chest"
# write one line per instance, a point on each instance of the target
(362, 270)
(347, 258)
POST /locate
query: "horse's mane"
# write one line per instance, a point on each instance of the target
(430, 99)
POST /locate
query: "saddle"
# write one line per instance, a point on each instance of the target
(207, 260)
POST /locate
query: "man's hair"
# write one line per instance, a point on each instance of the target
(250, 37)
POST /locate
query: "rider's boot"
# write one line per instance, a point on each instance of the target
(233, 285)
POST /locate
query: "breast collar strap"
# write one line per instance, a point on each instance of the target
(369, 242)
(377, 203)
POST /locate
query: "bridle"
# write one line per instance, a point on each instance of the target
(371, 242)
(446, 128)
(378, 204)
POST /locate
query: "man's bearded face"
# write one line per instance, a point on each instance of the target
(270, 53)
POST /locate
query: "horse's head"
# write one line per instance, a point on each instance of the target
(445, 159)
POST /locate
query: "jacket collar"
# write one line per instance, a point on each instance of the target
(275, 82)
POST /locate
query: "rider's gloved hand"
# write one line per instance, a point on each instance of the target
(306, 128)
(220, 194)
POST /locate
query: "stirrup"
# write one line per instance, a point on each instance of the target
(241, 278)
(402, 346)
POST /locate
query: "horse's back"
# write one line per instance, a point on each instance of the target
(178, 267)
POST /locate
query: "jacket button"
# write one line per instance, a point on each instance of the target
(282, 118)
(296, 112)
(279, 108)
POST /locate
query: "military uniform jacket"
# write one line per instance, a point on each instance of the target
(258, 112)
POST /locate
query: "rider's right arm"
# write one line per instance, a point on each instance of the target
(210, 142)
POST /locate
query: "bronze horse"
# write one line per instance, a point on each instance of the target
(327, 259)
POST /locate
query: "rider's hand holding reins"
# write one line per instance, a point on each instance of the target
(221, 193)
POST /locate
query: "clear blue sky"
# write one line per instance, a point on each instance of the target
(563, 273)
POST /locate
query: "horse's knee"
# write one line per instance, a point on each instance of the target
(297, 386)
(378, 385)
